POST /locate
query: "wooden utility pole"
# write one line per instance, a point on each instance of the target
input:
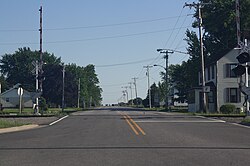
(149, 89)
(198, 7)
(41, 48)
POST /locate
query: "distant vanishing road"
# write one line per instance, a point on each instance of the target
(126, 137)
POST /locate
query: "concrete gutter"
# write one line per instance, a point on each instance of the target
(19, 128)
(43, 122)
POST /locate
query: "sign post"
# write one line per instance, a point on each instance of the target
(20, 93)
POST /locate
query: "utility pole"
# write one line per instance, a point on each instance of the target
(131, 95)
(198, 7)
(41, 48)
(149, 89)
(124, 95)
(136, 100)
(243, 46)
(35, 71)
(79, 90)
(37, 85)
(63, 76)
(126, 91)
(166, 52)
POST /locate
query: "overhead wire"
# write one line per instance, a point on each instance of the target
(173, 28)
(156, 70)
(157, 58)
(126, 63)
(92, 39)
(90, 26)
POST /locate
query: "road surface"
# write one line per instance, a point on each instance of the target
(124, 137)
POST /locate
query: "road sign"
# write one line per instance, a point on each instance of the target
(206, 89)
(20, 91)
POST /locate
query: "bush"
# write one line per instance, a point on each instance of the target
(227, 109)
(42, 104)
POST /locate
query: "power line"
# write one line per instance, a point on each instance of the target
(126, 63)
(177, 32)
(98, 38)
(174, 28)
(92, 26)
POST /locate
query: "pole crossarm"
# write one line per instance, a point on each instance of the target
(196, 5)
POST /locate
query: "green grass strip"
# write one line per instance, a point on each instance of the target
(6, 124)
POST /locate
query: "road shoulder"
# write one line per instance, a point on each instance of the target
(19, 128)
(29, 123)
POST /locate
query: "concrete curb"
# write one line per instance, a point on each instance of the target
(28, 127)
(19, 128)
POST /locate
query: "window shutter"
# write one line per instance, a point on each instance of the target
(227, 95)
(227, 70)
(239, 95)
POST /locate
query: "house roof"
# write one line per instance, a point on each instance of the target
(217, 58)
(14, 87)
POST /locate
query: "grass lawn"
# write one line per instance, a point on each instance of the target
(6, 124)
(30, 111)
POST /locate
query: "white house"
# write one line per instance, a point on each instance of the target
(174, 96)
(223, 83)
(10, 98)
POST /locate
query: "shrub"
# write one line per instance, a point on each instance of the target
(227, 109)
(42, 104)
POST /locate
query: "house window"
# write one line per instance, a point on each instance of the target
(7, 99)
(233, 95)
(191, 97)
(200, 78)
(213, 72)
(229, 72)
(210, 97)
(208, 73)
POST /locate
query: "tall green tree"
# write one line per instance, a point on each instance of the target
(219, 37)
(155, 97)
(92, 92)
(219, 23)
(17, 67)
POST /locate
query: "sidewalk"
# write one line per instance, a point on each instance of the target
(33, 122)
(19, 128)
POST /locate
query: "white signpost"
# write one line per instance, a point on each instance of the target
(20, 93)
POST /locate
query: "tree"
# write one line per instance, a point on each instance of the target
(17, 67)
(91, 90)
(219, 37)
(52, 85)
(155, 97)
(219, 22)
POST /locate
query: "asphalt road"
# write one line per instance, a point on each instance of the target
(130, 138)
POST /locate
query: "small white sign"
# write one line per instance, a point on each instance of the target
(206, 89)
(20, 91)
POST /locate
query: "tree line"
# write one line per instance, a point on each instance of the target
(17, 68)
(219, 37)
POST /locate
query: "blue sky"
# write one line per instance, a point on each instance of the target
(101, 32)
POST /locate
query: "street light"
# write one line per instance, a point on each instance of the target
(166, 52)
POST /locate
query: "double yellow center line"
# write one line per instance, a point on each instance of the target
(133, 125)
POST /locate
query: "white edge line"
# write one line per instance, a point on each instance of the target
(58, 120)
(218, 120)
(236, 124)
